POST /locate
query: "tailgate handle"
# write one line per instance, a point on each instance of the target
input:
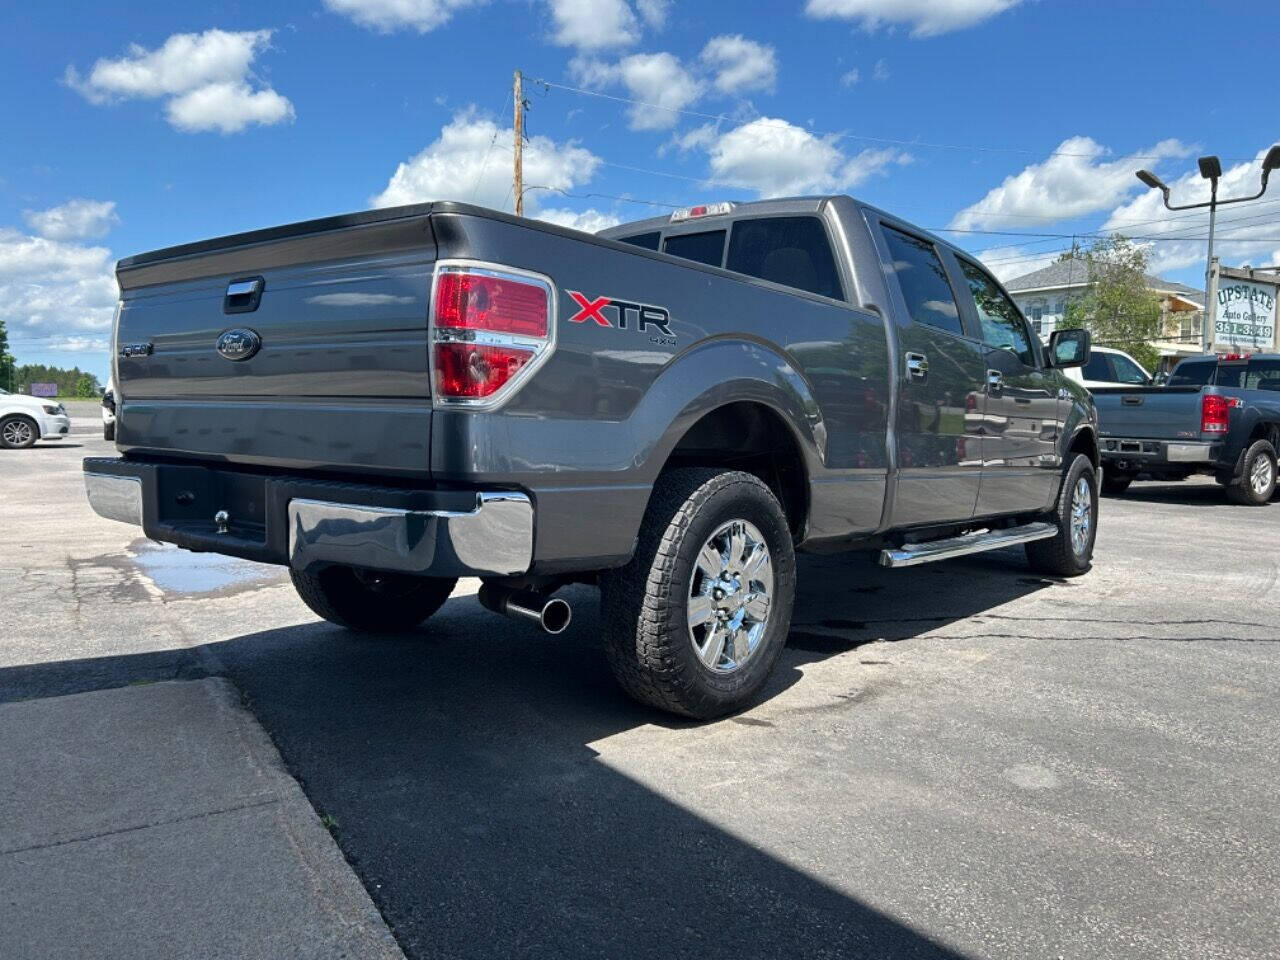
(1131, 401)
(243, 295)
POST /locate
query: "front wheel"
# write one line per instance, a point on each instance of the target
(1257, 481)
(18, 432)
(370, 601)
(1069, 553)
(696, 621)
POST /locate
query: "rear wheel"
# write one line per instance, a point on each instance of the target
(109, 431)
(1070, 552)
(370, 601)
(696, 621)
(18, 432)
(1114, 484)
(1257, 481)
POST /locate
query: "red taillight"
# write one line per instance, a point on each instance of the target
(475, 301)
(476, 370)
(1214, 413)
(489, 329)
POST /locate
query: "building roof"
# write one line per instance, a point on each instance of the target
(1070, 273)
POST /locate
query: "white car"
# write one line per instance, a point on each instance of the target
(109, 412)
(24, 420)
(1110, 368)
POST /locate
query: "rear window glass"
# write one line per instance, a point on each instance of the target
(1192, 373)
(924, 282)
(792, 251)
(1264, 375)
(703, 247)
(647, 240)
(1098, 369)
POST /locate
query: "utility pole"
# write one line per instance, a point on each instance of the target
(518, 97)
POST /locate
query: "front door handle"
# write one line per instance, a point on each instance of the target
(917, 367)
(995, 382)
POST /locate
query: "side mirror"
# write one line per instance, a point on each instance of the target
(1069, 348)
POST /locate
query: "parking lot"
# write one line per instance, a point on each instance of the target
(961, 760)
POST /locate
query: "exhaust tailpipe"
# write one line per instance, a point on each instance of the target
(550, 613)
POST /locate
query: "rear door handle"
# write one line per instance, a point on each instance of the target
(1131, 401)
(995, 382)
(917, 367)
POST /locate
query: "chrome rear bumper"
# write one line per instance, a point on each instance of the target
(496, 538)
(292, 521)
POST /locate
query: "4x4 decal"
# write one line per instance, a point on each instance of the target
(647, 315)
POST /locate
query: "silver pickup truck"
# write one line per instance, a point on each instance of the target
(390, 400)
(1216, 416)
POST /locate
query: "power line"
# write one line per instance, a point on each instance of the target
(891, 141)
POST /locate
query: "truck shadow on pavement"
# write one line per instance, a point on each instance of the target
(460, 767)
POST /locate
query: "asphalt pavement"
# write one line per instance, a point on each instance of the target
(957, 760)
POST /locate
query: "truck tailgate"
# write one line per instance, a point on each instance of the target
(1149, 413)
(324, 361)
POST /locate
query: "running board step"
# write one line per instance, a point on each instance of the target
(916, 553)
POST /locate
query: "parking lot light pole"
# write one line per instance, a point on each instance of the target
(1211, 170)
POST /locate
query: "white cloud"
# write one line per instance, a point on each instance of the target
(1009, 262)
(50, 288)
(850, 78)
(1076, 180)
(79, 345)
(207, 77)
(227, 108)
(654, 12)
(594, 24)
(76, 219)
(927, 18)
(881, 72)
(776, 158)
(590, 220)
(1245, 232)
(388, 15)
(469, 161)
(740, 64)
(661, 83)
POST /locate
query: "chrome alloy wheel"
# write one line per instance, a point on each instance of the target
(1261, 474)
(729, 596)
(17, 432)
(1081, 516)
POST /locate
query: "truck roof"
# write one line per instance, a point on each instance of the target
(780, 205)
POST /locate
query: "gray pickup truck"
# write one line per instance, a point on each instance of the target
(391, 400)
(1217, 416)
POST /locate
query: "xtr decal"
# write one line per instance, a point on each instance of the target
(646, 315)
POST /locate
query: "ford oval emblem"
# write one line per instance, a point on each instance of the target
(239, 343)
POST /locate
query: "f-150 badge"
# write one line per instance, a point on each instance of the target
(621, 311)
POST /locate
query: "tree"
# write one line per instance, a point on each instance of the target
(68, 381)
(1117, 307)
(84, 387)
(8, 379)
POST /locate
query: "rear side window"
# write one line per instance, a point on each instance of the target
(1127, 371)
(1264, 375)
(705, 248)
(647, 240)
(1192, 374)
(792, 251)
(923, 281)
(1002, 324)
(1098, 369)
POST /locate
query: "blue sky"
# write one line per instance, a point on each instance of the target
(147, 124)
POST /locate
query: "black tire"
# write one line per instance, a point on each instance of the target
(109, 431)
(1245, 489)
(18, 432)
(1114, 484)
(369, 601)
(1058, 556)
(645, 605)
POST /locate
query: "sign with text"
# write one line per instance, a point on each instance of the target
(1245, 313)
(44, 389)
